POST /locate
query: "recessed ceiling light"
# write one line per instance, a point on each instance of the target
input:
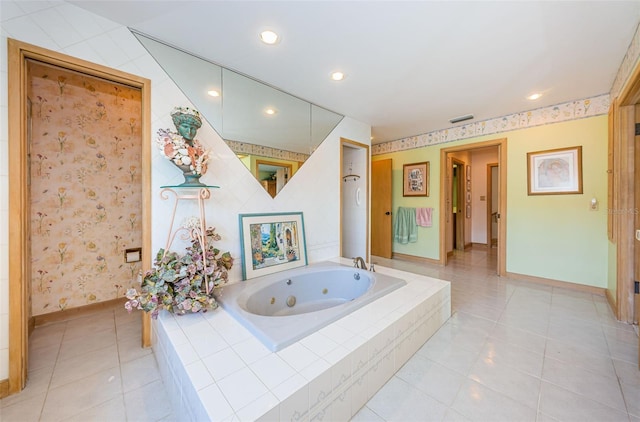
(269, 37)
(534, 96)
(270, 111)
(213, 93)
(337, 76)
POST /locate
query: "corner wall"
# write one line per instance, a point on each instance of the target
(93, 38)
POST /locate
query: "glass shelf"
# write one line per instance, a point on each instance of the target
(189, 187)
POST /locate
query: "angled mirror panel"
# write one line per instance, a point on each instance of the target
(247, 104)
(238, 114)
(194, 76)
(323, 122)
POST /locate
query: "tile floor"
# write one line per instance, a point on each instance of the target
(512, 351)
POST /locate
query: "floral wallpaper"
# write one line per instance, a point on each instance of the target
(572, 110)
(86, 188)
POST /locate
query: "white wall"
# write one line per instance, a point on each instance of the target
(68, 29)
(479, 160)
(354, 215)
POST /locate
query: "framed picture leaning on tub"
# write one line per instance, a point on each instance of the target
(271, 243)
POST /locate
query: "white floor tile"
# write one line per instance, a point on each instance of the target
(25, 410)
(112, 410)
(366, 415)
(148, 403)
(595, 386)
(565, 405)
(506, 379)
(398, 401)
(432, 379)
(481, 403)
(505, 333)
(90, 363)
(139, 372)
(75, 397)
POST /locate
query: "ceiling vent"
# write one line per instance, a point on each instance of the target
(461, 118)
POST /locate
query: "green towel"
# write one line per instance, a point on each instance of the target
(405, 228)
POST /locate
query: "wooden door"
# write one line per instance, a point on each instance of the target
(20, 182)
(636, 295)
(458, 196)
(381, 211)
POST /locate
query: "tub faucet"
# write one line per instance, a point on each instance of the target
(358, 262)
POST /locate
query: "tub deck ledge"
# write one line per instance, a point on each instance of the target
(215, 369)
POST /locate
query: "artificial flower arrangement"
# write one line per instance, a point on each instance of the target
(177, 282)
(175, 148)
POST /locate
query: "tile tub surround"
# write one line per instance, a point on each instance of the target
(214, 369)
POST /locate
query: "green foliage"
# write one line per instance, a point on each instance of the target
(177, 282)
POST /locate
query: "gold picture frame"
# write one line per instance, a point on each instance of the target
(415, 179)
(555, 171)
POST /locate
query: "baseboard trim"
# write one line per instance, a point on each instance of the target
(480, 246)
(4, 388)
(612, 302)
(413, 258)
(600, 291)
(78, 312)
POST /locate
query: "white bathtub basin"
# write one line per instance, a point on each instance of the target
(281, 308)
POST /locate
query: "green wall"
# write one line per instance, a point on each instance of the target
(550, 236)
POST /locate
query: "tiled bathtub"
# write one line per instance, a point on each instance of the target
(214, 369)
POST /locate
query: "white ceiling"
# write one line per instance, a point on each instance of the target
(410, 66)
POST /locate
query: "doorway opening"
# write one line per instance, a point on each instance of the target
(472, 213)
(493, 188)
(29, 218)
(458, 205)
(354, 199)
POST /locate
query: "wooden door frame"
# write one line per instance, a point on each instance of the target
(502, 207)
(622, 117)
(490, 202)
(357, 145)
(19, 195)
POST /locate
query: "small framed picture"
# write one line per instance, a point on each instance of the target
(415, 179)
(468, 172)
(468, 185)
(468, 211)
(555, 171)
(468, 197)
(271, 243)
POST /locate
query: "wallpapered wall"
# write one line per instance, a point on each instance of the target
(86, 188)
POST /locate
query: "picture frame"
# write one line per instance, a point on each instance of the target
(468, 172)
(468, 211)
(415, 179)
(468, 185)
(555, 171)
(271, 243)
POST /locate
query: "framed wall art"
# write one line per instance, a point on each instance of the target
(271, 243)
(415, 178)
(555, 171)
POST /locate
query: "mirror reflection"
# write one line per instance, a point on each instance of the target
(272, 132)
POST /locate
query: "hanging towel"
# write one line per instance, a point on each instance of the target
(405, 229)
(423, 216)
